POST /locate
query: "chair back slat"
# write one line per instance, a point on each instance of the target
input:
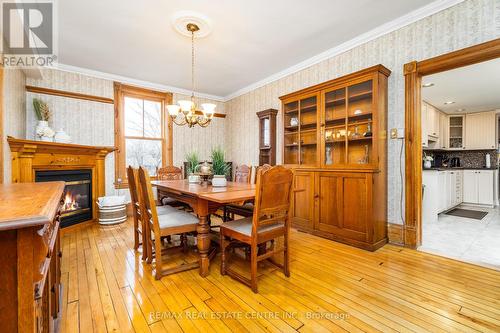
(272, 198)
(150, 213)
(169, 173)
(243, 174)
(133, 181)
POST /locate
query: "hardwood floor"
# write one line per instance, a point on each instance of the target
(333, 287)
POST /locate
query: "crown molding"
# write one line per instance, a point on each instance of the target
(386, 28)
(135, 82)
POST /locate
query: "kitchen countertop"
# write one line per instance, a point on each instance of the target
(461, 168)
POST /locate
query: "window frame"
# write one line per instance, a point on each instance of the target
(165, 98)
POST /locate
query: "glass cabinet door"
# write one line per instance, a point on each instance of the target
(456, 132)
(359, 123)
(348, 125)
(335, 127)
(308, 130)
(291, 125)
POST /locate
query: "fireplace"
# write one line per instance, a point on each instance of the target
(77, 193)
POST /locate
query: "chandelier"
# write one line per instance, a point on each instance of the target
(185, 112)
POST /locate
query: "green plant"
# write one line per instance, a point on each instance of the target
(219, 165)
(42, 111)
(193, 162)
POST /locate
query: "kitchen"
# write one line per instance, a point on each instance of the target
(460, 125)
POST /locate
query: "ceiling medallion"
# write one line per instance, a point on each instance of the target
(185, 112)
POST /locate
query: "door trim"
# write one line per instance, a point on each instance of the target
(413, 72)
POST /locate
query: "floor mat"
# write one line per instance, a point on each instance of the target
(471, 214)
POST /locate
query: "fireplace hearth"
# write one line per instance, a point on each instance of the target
(77, 206)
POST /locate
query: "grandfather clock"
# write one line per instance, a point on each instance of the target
(267, 136)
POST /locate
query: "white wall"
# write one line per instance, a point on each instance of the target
(468, 23)
(14, 115)
(92, 123)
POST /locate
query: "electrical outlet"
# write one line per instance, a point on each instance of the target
(397, 133)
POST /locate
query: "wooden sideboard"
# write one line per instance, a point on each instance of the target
(335, 140)
(30, 256)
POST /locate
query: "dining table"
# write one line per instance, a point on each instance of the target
(204, 199)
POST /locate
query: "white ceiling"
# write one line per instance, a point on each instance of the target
(250, 41)
(474, 88)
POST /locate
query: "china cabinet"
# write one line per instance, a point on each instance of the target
(335, 140)
(267, 136)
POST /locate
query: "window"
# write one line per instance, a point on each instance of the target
(143, 133)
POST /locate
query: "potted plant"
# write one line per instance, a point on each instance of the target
(220, 168)
(427, 161)
(192, 167)
(42, 112)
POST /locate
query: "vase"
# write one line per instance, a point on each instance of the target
(41, 127)
(294, 121)
(62, 137)
(194, 179)
(427, 164)
(219, 181)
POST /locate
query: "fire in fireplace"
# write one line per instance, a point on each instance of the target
(78, 193)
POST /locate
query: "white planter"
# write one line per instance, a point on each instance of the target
(194, 179)
(427, 164)
(219, 181)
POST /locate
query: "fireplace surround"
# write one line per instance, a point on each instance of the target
(81, 167)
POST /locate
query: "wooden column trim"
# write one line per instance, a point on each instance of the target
(2, 133)
(413, 149)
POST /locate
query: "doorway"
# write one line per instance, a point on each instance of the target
(414, 72)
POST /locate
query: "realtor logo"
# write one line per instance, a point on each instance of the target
(28, 33)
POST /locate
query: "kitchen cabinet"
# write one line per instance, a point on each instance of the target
(478, 187)
(443, 131)
(443, 189)
(431, 125)
(432, 121)
(480, 131)
(456, 132)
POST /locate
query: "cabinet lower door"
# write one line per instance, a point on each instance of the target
(343, 204)
(302, 210)
(485, 187)
(470, 186)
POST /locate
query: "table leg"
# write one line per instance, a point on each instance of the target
(203, 237)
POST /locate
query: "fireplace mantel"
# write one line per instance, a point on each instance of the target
(30, 156)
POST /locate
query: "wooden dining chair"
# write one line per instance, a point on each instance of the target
(245, 209)
(169, 173)
(140, 233)
(159, 226)
(269, 222)
(243, 174)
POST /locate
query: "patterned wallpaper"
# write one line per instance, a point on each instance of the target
(14, 101)
(468, 23)
(92, 123)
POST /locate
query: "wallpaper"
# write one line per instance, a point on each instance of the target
(92, 123)
(14, 101)
(468, 23)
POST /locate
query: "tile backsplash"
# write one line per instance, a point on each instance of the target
(469, 158)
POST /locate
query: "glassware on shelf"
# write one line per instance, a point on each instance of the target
(356, 134)
(366, 158)
(328, 155)
(368, 132)
(294, 121)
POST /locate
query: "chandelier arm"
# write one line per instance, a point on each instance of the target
(179, 123)
(203, 122)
